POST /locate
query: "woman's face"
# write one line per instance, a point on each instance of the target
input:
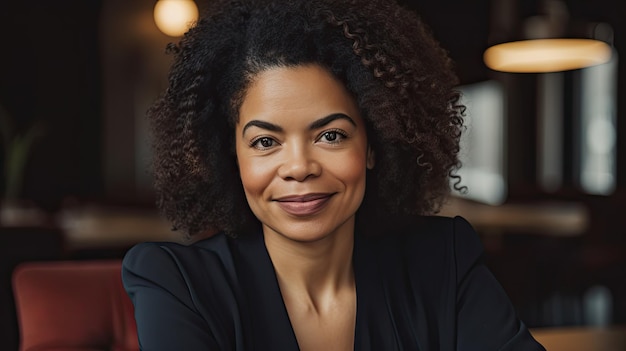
(302, 153)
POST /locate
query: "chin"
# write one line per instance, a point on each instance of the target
(311, 231)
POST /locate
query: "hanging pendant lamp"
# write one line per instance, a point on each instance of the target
(548, 47)
(173, 17)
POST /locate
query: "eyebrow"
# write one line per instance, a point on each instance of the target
(263, 125)
(315, 125)
(325, 120)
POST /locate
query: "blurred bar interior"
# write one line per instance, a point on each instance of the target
(543, 155)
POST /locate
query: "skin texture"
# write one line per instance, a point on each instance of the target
(327, 161)
(302, 153)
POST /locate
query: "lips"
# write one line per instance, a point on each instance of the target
(304, 205)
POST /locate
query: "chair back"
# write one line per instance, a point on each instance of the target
(73, 305)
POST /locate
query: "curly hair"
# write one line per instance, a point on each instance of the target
(400, 77)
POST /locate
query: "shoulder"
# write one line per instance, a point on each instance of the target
(428, 242)
(419, 231)
(455, 233)
(152, 255)
(435, 225)
(183, 295)
(177, 267)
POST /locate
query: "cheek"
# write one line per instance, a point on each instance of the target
(355, 172)
(255, 176)
(351, 170)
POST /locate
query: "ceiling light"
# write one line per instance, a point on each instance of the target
(548, 47)
(546, 55)
(173, 17)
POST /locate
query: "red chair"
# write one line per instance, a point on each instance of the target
(73, 305)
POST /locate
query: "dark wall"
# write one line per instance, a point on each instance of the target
(462, 27)
(50, 74)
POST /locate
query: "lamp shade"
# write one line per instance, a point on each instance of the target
(550, 41)
(173, 17)
(546, 55)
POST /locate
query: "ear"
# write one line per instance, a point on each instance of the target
(371, 158)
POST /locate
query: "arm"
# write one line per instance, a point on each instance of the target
(165, 313)
(486, 319)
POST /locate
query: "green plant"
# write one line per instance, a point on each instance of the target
(17, 148)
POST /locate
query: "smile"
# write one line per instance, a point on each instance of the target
(303, 205)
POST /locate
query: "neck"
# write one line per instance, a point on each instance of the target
(313, 270)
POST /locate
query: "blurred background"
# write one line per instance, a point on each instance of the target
(543, 156)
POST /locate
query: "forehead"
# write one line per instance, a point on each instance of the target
(306, 88)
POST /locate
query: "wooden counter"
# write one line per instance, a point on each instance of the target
(543, 218)
(582, 338)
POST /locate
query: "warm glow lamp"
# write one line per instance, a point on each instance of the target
(173, 17)
(546, 55)
(548, 47)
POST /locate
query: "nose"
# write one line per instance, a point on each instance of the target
(298, 164)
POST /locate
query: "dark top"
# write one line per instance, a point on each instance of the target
(421, 287)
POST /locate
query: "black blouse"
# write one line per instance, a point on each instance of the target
(424, 287)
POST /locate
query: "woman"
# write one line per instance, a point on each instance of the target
(316, 136)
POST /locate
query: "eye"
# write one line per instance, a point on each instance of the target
(263, 143)
(332, 136)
